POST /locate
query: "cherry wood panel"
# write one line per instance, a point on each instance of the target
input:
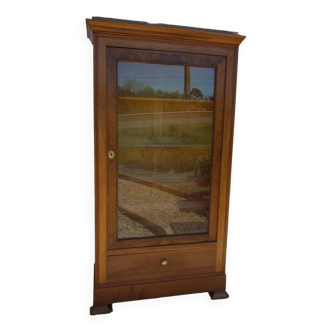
(99, 70)
(126, 54)
(112, 145)
(149, 265)
(217, 147)
(160, 241)
(195, 246)
(184, 274)
(132, 279)
(226, 161)
(148, 44)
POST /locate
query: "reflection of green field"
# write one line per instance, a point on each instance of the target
(160, 156)
(137, 150)
(139, 137)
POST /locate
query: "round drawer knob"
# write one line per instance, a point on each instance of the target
(164, 262)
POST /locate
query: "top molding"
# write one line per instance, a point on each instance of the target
(110, 27)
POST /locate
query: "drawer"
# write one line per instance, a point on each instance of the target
(160, 264)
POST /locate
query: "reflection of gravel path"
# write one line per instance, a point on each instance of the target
(136, 197)
(131, 229)
(155, 205)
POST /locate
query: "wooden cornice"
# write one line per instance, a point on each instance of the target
(162, 32)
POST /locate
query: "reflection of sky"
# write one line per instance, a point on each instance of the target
(166, 77)
(202, 79)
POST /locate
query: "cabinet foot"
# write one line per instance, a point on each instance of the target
(101, 309)
(218, 295)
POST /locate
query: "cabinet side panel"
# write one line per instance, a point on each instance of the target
(236, 53)
(96, 173)
(226, 163)
(99, 58)
(217, 146)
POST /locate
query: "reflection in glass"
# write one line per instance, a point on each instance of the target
(165, 118)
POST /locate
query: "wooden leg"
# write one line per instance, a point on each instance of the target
(101, 309)
(218, 295)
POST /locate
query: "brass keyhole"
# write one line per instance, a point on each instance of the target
(164, 262)
(111, 154)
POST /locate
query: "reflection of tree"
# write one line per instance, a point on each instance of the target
(196, 93)
(203, 164)
(130, 85)
(133, 88)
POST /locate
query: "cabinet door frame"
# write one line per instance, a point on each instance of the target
(115, 54)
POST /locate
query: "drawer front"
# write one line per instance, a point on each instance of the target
(160, 264)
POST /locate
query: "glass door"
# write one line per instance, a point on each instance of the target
(162, 129)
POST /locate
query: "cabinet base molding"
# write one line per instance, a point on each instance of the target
(104, 296)
(101, 309)
(219, 295)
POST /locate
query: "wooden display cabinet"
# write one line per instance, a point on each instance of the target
(164, 102)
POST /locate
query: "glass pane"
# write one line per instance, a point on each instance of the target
(165, 121)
